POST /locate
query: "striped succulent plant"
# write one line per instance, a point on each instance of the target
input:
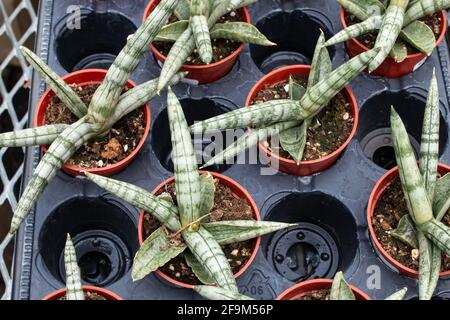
(288, 117)
(427, 196)
(188, 219)
(397, 24)
(108, 106)
(197, 24)
(74, 290)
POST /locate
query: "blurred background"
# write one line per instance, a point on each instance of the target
(17, 27)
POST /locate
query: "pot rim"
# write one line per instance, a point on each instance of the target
(109, 295)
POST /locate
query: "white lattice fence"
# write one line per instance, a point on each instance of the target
(17, 27)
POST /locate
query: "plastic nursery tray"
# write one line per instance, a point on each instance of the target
(330, 206)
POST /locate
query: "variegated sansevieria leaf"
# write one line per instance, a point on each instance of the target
(425, 265)
(73, 275)
(340, 290)
(258, 115)
(227, 232)
(441, 202)
(420, 36)
(240, 32)
(62, 90)
(320, 66)
(248, 140)
(209, 253)
(33, 136)
(390, 29)
(406, 232)
(362, 9)
(187, 180)
(182, 10)
(293, 140)
(320, 95)
(165, 211)
(64, 146)
(200, 29)
(399, 51)
(411, 179)
(429, 144)
(216, 293)
(207, 190)
(173, 31)
(356, 30)
(108, 93)
(422, 8)
(156, 251)
(197, 268)
(438, 233)
(399, 295)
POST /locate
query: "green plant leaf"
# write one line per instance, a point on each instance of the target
(420, 8)
(340, 290)
(216, 293)
(420, 36)
(197, 268)
(438, 233)
(33, 136)
(441, 201)
(200, 29)
(399, 295)
(240, 32)
(406, 232)
(207, 190)
(399, 51)
(227, 232)
(171, 32)
(156, 251)
(182, 10)
(321, 63)
(296, 90)
(356, 30)
(73, 274)
(363, 9)
(293, 140)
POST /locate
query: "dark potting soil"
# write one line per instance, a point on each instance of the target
(222, 48)
(388, 212)
(89, 295)
(323, 294)
(434, 21)
(227, 206)
(115, 146)
(328, 130)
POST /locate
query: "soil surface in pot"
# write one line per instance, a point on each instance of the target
(323, 294)
(328, 130)
(115, 146)
(388, 211)
(227, 206)
(222, 48)
(433, 21)
(88, 295)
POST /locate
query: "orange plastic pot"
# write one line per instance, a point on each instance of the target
(237, 190)
(289, 166)
(82, 78)
(299, 290)
(205, 73)
(390, 68)
(109, 295)
(375, 196)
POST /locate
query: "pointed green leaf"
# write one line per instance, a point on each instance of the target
(64, 92)
(399, 52)
(216, 293)
(227, 232)
(399, 295)
(406, 232)
(73, 274)
(420, 36)
(33, 136)
(240, 32)
(356, 30)
(197, 269)
(425, 249)
(200, 29)
(155, 252)
(293, 140)
(362, 9)
(321, 63)
(435, 269)
(438, 233)
(207, 189)
(296, 90)
(421, 8)
(340, 290)
(183, 10)
(441, 202)
(173, 31)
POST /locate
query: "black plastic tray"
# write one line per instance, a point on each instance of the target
(330, 205)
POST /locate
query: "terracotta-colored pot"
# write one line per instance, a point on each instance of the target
(377, 193)
(205, 73)
(295, 292)
(82, 78)
(239, 191)
(289, 166)
(109, 295)
(390, 68)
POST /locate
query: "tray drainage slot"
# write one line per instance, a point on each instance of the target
(204, 146)
(95, 44)
(374, 132)
(104, 237)
(295, 34)
(323, 242)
